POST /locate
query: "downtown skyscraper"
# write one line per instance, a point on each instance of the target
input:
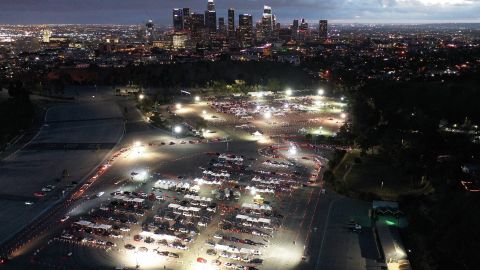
(211, 17)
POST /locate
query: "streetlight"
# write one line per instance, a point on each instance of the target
(141, 96)
(321, 92)
(178, 106)
(268, 115)
(177, 129)
(343, 115)
(197, 98)
(204, 112)
(292, 150)
(288, 92)
(137, 144)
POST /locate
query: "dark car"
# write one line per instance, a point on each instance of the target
(173, 255)
(129, 246)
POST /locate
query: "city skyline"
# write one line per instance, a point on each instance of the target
(343, 11)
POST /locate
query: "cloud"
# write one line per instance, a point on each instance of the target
(137, 11)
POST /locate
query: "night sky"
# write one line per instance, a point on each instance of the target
(138, 11)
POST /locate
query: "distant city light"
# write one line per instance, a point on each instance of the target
(141, 96)
(177, 129)
(343, 115)
(178, 106)
(288, 92)
(321, 92)
(204, 112)
(197, 98)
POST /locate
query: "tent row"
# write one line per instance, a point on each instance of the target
(253, 219)
(197, 198)
(169, 184)
(89, 224)
(261, 190)
(162, 236)
(264, 207)
(207, 181)
(216, 174)
(230, 158)
(184, 208)
(233, 249)
(128, 199)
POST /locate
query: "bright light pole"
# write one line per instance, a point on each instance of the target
(292, 150)
(288, 92)
(177, 129)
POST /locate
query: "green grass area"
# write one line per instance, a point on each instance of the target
(367, 176)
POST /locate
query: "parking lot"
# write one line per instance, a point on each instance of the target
(230, 198)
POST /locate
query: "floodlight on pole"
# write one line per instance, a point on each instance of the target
(268, 115)
(177, 129)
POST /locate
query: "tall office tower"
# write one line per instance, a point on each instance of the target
(245, 29)
(149, 32)
(267, 22)
(211, 21)
(197, 24)
(231, 22)
(303, 32)
(211, 17)
(177, 19)
(211, 5)
(186, 18)
(323, 29)
(303, 26)
(294, 29)
(221, 25)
